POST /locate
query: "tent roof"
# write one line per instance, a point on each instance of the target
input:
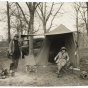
(61, 29)
(31, 35)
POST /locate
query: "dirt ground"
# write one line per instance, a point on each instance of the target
(45, 76)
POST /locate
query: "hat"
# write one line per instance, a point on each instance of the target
(63, 48)
(16, 35)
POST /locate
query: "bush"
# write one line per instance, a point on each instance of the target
(4, 44)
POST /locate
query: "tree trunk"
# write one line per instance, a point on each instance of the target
(31, 32)
(8, 17)
(44, 27)
(77, 28)
(77, 47)
(21, 27)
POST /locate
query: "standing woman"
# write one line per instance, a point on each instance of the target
(14, 50)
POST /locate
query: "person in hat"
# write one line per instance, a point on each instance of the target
(14, 50)
(61, 59)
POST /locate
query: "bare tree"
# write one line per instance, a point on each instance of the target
(9, 37)
(30, 21)
(77, 9)
(84, 13)
(44, 15)
(32, 7)
(18, 23)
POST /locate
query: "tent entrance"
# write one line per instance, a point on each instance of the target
(57, 41)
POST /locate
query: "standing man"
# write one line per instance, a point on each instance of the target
(14, 50)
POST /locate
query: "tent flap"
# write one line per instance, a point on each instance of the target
(44, 53)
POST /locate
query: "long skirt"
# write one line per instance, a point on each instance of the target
(16, 54)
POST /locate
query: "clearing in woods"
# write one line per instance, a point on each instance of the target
(45, 76)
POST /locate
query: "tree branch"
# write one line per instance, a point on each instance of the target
(37, 5)
(39, 16)
(22, 12)
(13, 12)
(37, 29)
(40, 8)
(54, 17)
(34, 6)
(50, 12)
(82, 16)
(27, 4)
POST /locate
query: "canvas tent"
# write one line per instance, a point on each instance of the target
(54, 40)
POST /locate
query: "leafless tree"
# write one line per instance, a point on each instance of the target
(77, 9)
(30, 21)
(18, 21)
(84, 13)
(9, 37)
(44, 15)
